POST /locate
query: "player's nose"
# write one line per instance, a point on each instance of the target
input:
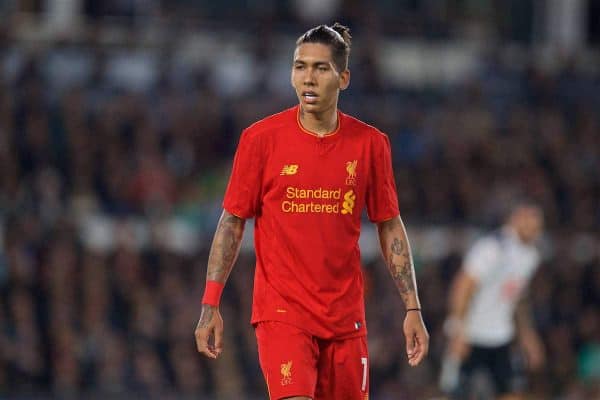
(309, 78)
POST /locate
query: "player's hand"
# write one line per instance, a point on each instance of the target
(417, 338)
(458, 347)
(533, 349)
(210, 325)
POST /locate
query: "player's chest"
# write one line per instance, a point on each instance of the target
(513, 274)
(318, 164)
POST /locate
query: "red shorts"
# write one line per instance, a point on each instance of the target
(296, 363)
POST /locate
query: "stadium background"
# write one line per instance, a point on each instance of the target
(118, 121)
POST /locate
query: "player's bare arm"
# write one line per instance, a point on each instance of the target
(461, 292)
(223, 253)
(398, 257)
(527, 335)
(396, 251)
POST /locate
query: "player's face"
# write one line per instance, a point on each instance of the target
(529, 222)
(315, 78)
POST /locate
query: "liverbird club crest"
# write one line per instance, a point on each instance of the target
(286, 373)
(351, 169)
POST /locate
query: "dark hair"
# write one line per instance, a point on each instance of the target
(336, 36)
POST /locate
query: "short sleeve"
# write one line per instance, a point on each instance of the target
(242, 196)
(481, 259)
(381, 196)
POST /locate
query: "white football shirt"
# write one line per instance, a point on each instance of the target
(502, 265)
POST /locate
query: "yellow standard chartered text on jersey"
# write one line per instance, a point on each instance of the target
(293, 194)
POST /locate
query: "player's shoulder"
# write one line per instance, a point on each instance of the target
(270, 124)
(363, 128)
(488, 243)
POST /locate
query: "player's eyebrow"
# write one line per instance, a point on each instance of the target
(314, 63)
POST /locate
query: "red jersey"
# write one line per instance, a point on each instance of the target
(307, 194)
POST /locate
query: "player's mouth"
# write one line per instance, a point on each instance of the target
(310, 97)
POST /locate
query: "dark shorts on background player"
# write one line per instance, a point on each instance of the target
(296, 363)
(498, 364)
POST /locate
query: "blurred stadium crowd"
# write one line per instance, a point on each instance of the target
(89, 138)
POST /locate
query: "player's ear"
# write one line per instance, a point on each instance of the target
(344, 79)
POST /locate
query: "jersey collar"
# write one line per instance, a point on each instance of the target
(328, 136)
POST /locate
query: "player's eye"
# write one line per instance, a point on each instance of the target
(323, 68)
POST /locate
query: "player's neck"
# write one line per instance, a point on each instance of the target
(319, 123)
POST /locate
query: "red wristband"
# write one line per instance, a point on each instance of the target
(212, 293)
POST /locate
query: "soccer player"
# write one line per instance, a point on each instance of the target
(488, 309)
(306, 174)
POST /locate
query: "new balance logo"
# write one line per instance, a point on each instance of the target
(290, 169)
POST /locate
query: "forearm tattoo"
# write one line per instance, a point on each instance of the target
(225, 247)
(400, 266)
(397, 247)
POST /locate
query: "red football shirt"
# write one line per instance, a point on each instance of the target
(307, 194)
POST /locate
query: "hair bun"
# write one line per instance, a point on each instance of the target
(343, 30)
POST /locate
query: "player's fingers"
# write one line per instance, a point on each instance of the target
(423, 339)
(421, 348)
(418, 355)
(410, 344)
(218, 339)
(202, 336)
(201, 340)
(412, 351)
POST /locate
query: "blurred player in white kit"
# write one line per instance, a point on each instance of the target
(488, 310)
